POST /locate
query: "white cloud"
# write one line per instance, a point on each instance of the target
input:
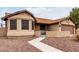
(36, 11)
(52, 12)
(39, 12)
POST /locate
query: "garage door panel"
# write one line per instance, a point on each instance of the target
(68, 28)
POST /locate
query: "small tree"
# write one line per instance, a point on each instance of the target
(74, 14)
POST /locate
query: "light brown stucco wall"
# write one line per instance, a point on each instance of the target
(58, 33)
(37, 33)
(53, 27)
(22, 16)
(68, 22)
(19, 31)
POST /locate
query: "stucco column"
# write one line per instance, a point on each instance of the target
(30, 25)
(18, 24)
(59, 27)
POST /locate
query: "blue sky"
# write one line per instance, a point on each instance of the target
(44, 12)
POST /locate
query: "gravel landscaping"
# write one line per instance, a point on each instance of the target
(17, 45)
(67, 44)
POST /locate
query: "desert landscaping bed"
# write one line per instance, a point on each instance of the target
(67, 44)
(17, 45)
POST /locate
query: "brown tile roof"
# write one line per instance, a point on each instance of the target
(43, 20)
(18, 12)
(38, 20)
(49, 21)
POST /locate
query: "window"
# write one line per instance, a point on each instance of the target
(25, 24)
(13, 24)
(33, 25)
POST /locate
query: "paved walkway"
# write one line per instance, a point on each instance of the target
(42, 46)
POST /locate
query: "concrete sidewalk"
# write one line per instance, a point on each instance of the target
(43, 47)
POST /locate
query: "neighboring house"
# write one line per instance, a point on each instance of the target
(23, 23)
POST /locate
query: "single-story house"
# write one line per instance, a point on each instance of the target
(24, 23)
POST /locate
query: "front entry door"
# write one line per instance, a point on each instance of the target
(43, 29)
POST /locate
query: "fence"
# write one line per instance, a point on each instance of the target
(3, 32)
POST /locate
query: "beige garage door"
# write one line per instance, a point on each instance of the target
(68, 28)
